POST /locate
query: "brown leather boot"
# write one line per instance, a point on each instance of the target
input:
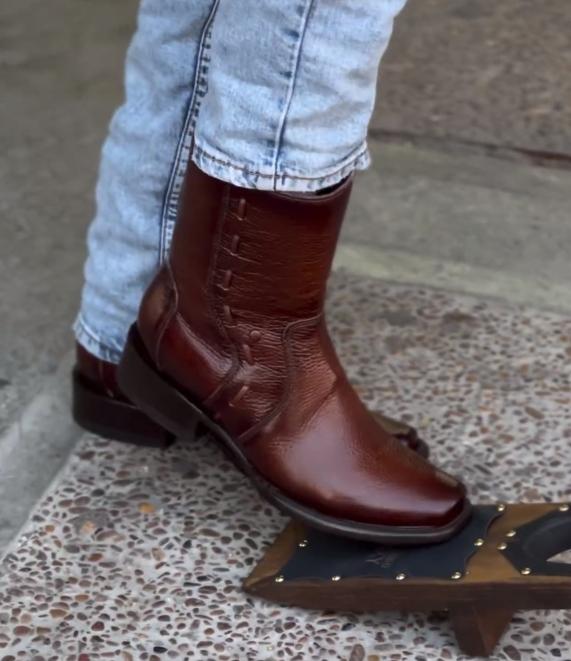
(99, 406)
(231, 333)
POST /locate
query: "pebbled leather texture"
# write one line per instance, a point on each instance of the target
(236, 320)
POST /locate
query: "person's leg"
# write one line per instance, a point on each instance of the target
(165, 80)
(291, 91)
(137, 191)
(128, 237)
(231, 331)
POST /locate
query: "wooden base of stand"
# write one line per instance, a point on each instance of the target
(488, 578)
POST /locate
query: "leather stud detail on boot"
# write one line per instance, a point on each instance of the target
(242, 206)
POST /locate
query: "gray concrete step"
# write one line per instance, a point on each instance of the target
(463, 221)
(61, 65)
(490, 72)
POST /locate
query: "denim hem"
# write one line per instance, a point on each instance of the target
(181, 158)
(239, 174)
(92, 343)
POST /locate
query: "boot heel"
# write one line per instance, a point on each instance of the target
(153, 394)
(114, 418)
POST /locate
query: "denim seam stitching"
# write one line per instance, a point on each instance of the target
(291, 88)
(347, 163)
(172, 194)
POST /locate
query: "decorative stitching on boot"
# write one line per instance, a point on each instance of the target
(247, 350)
(227, 282)
(255, 336)
(241, 212)
(228, 316)
(212, 302)
(238, 396)
(235, 245)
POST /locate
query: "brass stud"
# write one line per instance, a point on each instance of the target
(511, 533)
(502, 546)
(526, 571)
(456, 576)
(279, 579)
(501, 507)
(563, 508)
(336, 578)
(479, 542)
(400, 577)
(303, 544)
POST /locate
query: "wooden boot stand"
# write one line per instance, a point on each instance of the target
(497, 565)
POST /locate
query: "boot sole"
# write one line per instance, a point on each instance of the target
(113, 418)
(162, 401)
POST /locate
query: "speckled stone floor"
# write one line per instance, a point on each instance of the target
(139, 554)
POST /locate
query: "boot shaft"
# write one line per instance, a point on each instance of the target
(255, 255)
(242, 293)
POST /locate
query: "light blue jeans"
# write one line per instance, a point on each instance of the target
(261, 93)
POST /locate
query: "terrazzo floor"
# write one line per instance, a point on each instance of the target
(138, 554)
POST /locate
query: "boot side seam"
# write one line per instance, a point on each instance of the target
(212, 300)
(168, 315)
(288, 330)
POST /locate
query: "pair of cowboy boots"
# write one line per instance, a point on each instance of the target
(231, 336)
